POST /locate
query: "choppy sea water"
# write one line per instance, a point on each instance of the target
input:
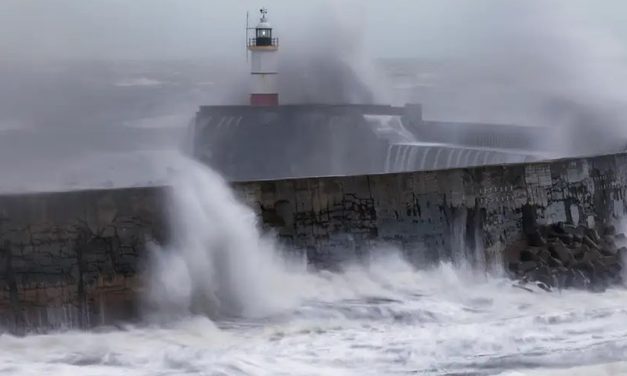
(385, 319)
(224, 301)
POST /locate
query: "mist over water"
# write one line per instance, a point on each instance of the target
(534, 64)
(515, 62)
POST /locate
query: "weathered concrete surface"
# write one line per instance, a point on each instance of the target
(75, 258)
(72, 259)
(471, 213)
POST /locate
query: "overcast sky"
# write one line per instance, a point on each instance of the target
(164, 29)
(557, 63)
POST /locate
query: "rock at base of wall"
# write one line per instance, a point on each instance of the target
(564, 256)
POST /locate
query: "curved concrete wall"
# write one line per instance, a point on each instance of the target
(75, 258)
(253, 143)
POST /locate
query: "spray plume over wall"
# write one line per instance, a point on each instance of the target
(515, 62)
(325, 58)
(522, 62)
(534, 63)
(218, 263)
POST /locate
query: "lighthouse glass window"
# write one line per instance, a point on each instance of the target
(264, 37)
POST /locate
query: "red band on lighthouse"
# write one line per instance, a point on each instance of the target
(264, 100)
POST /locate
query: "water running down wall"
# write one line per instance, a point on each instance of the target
(77, 258)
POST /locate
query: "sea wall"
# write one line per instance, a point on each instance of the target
(76, 258)
(469, 214)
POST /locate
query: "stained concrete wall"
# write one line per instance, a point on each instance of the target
(76, 258)
(73, 259)
(461, 213)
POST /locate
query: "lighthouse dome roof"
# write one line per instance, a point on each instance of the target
(264, 25)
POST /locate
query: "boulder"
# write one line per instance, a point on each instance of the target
(522, 287)
(577, 238)
(543, 286)
(587, 240)
(535, 239)
(564, 233)
(567, 256)
(541, 274)
(609, 230)
(559, 251)
(592, 234)
(526, 266)
(555, 263)
(528, 255)
(595, 254)
(580, 252)
(512, 253)
(567, 238)
(581, 230)
(568, 228)
(544, 255)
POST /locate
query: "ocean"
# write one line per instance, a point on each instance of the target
(384, 319)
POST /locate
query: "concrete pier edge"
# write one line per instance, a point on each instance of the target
(76, 259)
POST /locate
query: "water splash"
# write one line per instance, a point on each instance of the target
(379, 319)
(218, 263)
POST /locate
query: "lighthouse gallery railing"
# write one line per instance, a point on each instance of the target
(263, 42)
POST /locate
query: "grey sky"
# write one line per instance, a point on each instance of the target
(86, 29)
(557, 63)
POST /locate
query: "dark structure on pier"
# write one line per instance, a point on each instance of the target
(252, 143)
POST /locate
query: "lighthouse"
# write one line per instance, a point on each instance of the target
(264, 49)
(266, 139)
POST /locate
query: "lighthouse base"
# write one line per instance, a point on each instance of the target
(264, 100)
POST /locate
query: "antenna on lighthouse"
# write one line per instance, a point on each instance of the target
(247, 35)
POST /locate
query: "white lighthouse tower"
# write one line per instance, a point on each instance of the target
(264, 49)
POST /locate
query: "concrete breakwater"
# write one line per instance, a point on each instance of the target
(567, 256)
(73, 259)
(77, 258)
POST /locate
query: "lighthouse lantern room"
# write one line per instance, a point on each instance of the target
(263, 49)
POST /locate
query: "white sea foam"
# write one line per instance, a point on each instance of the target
(218, 263)
(382, 319)
(273, 317)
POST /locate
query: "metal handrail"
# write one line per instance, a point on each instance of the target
(274, 42)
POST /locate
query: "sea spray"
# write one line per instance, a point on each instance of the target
(374, 318)
(217, 262)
